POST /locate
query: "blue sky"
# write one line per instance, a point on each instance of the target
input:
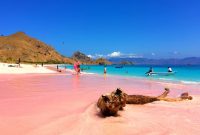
(135, 28)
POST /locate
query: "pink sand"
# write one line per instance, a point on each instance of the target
(66, 105)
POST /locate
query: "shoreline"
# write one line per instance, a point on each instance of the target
(70, 73)
(158, 80)
(152, 79)
(145, 79)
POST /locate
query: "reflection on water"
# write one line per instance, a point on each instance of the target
(104, 76)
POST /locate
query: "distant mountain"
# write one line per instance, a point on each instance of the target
(84, 59)
(102, 61)
(28, 49)
(145, 61)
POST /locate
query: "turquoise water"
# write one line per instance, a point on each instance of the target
(186, 74)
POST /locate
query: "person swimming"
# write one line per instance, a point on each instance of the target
(170, 69)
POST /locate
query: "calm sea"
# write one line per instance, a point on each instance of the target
(185, 74)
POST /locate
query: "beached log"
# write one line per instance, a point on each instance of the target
(140, 99)
(107, 105)
(111, 103)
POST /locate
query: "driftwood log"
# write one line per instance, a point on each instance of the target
(111, 103)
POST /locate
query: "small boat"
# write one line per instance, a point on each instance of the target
(161, 73)
(119, 66)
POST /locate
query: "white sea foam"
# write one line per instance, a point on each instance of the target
(87, 73)
(190, 82)
(167, 79)
(184, 82)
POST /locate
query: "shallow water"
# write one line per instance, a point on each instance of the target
(185, 74)
(66, 105)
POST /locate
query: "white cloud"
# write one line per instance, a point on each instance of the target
(133, 56)
(95, 56)
(99, 55)
(130, 55)
(90, 56)
(114, 54)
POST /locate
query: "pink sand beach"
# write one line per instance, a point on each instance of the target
(65, 104)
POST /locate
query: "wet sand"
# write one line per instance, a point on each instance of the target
(50, 104)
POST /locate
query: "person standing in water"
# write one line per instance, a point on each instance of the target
(19, 61)
(77, 67)
(57, 67)
(170, 69)
(150, 71)
(105, 70)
